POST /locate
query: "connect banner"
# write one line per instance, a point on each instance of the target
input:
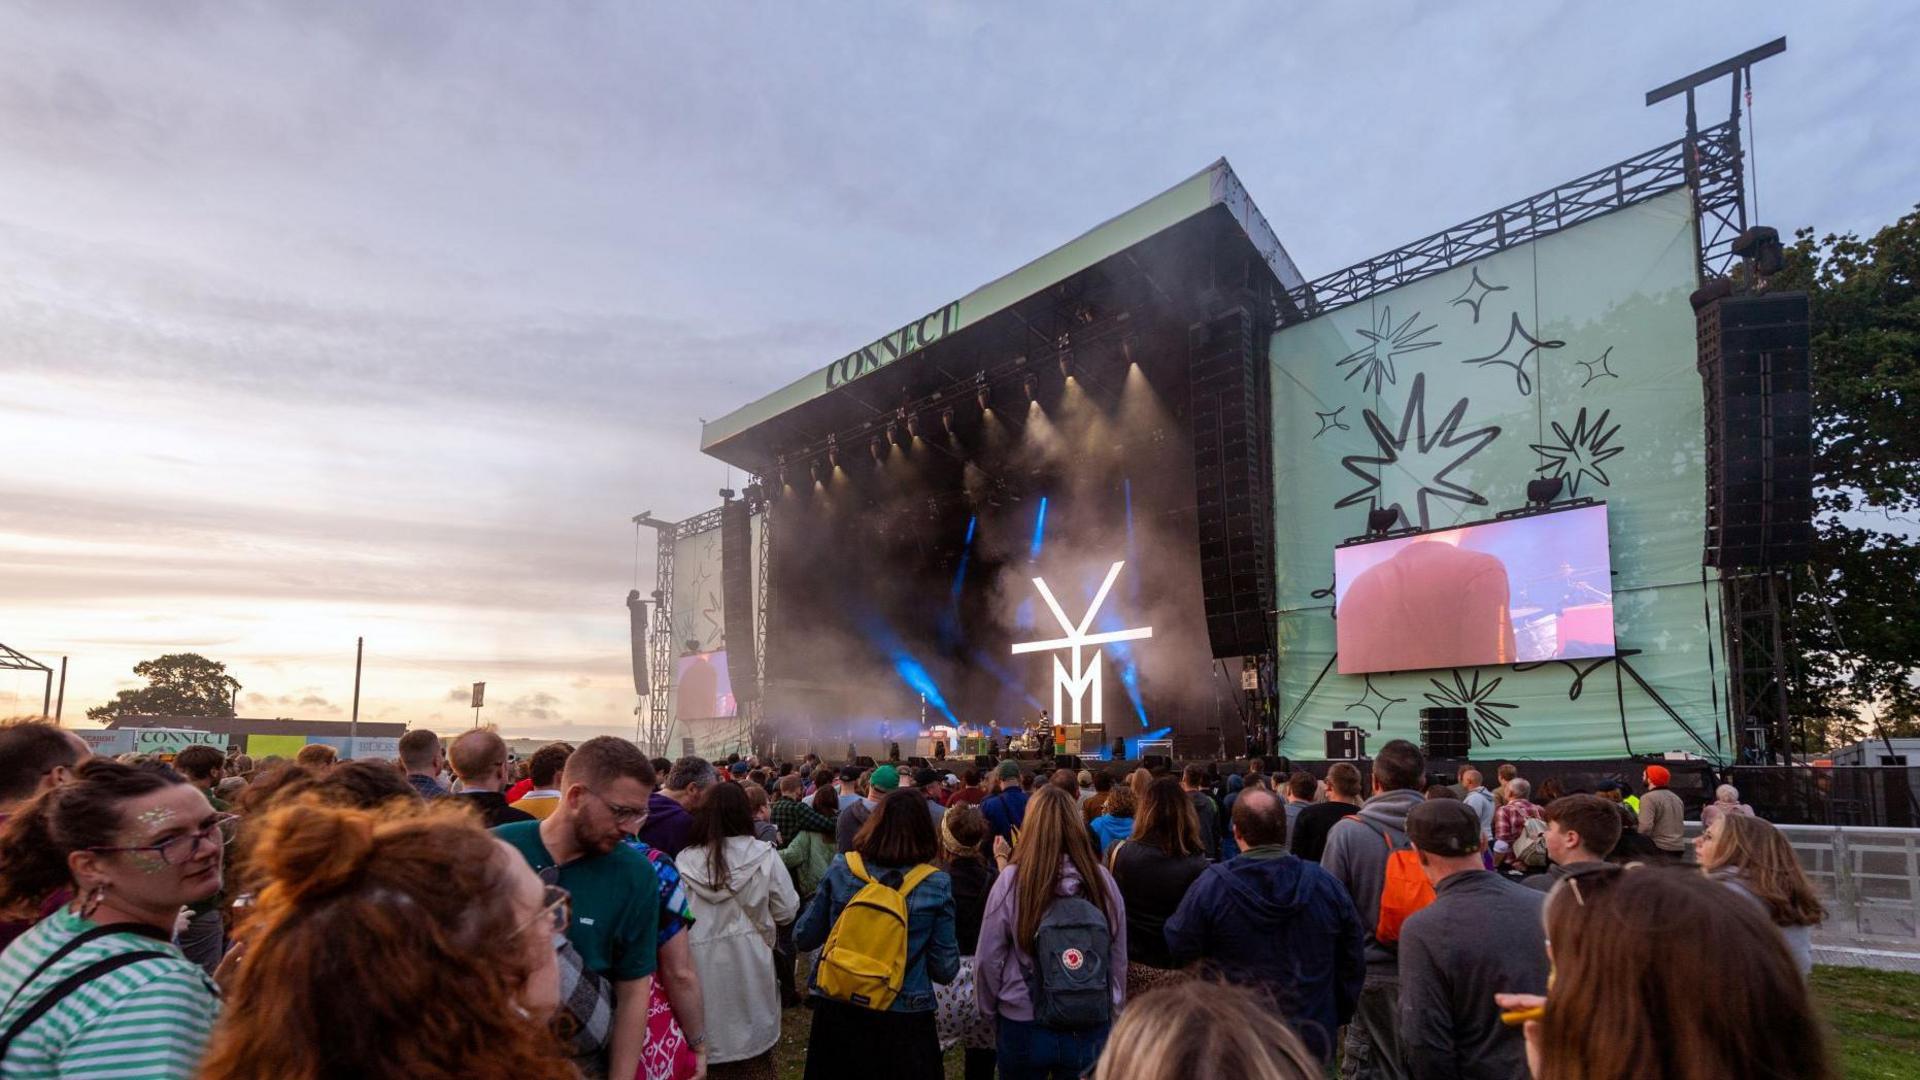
(1569, 357)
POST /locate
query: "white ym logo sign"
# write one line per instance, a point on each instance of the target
(1085, 674)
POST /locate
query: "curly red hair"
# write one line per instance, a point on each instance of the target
(375, 951)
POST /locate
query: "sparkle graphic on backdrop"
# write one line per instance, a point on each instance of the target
(1476, 293)
(1428, 457)
(1578, 455)
(1482, 711)
(1330, 421)
(1521, 380)
(1367, 698)
(1385, 342)
(1085, 674)
(1597, 369)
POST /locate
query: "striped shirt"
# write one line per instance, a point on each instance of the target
(149, 1020)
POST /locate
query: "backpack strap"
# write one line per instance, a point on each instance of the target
(915, 876)
(858, 866)
(1379, 832)
(67, 986)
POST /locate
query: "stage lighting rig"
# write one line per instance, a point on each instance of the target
(1027, 384)
(982, 393)
(833, 452)
(946, 420)
(879, 454)
(893, 432)
(816, 470)
(728, 494)
(1380, 520)
(913, 425)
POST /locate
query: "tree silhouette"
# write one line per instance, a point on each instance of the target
(178, 684)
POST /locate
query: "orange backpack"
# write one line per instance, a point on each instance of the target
(1403, 890)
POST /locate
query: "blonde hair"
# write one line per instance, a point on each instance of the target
(1767, 868)
(1173, 1033)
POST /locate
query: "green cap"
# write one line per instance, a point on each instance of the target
(884, 778)
(1009, 770)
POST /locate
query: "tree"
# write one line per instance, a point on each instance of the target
(1856, 613)
(178, 684)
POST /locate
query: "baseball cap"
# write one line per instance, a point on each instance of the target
(1444, 827)
(923, 777)
(1009, 770)
(739, 768)
(849, 774)
(884, 778)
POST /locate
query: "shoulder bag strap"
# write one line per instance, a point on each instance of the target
(83, 938)
(67, 986)
(1113, 866)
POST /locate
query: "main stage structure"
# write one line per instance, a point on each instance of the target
(1096, 498)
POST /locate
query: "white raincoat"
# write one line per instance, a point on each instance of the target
(732, 938)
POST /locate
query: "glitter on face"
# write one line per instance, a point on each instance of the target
(155, 819)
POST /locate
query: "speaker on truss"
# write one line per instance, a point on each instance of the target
(1753, 363)
(637, 631)
(1233, 482)
(739, 601)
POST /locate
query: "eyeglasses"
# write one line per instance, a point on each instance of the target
(623, 815)
(181, 849)
(556, 909)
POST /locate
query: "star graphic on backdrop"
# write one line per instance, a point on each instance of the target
(1476, 293)
(1597, 369)
(1520, 377)
(1579, 454)
(1379, 711)
(1331, 420)
(1428, 457)
(1385, 342)
(1482, 711)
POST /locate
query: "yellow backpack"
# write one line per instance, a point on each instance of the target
(865, 959)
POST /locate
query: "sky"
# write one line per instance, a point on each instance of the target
(322, 321)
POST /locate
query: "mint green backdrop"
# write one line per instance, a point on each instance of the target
(1570, 355)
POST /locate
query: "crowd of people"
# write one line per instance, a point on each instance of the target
(593, 912)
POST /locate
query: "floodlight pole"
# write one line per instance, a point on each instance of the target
(353, 725)
(60, 703)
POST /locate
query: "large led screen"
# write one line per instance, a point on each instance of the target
(1502, 592)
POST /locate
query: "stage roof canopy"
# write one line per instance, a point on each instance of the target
(1205, 216)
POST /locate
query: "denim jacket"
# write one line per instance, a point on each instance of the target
(933, 952)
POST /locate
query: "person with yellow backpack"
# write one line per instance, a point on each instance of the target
(883, 920)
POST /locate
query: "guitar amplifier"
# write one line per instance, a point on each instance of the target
(1445, 733)
(1345, 743)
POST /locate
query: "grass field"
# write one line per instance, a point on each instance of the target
(1874, 1017)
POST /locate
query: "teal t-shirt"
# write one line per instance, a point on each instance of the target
(616, 903)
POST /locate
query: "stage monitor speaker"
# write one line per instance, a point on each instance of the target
(738, 601)
(1233, 481)
(1754, 367)
(916, 763)
(1119, 749)
(984, 763)
(1445, 732)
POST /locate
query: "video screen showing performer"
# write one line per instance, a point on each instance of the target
(1502, 592)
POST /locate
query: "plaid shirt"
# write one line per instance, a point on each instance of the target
(793, 817)
(1509, 821)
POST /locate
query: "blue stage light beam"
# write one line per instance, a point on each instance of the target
(1006, 678)
(1039, 532)
(966, 556)
(906, 665)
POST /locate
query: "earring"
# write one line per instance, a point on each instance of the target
(92, 902)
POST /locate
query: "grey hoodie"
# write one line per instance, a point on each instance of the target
(1357, 859)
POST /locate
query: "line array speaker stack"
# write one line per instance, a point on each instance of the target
(1445, 733)
(738, 600)
(1753, 363)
